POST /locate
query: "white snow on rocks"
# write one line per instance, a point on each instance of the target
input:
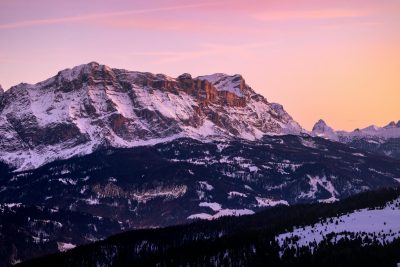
(62, 247)
(212, 205)
(92, 201)
(308, 143)
(94, 111)
(372, 134)
(221, 213)
(268, 202)
(321, 129)
(233, 212)
(224, 82)
(233, 194)
(201, 216)
(205, 186)
(3, 206)
(314, 182)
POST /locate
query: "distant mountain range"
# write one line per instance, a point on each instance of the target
(118, 149)
(92, 106)
(382, 140)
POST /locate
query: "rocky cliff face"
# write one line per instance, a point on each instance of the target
(93, 106)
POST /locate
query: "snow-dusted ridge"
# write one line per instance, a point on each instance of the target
(382, 223)
(93, 106)
(383, 141)
(373, 133)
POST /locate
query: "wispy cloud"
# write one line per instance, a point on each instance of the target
(309, 14)
(173, 24)
(97, 16)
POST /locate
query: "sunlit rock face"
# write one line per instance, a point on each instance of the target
(93, 106)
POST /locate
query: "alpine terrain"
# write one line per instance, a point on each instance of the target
(95, 151)
(382, 140)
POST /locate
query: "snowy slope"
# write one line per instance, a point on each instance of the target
(381, 223)
(175, 182)
(92, 106)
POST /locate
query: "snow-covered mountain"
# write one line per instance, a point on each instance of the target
(93, 106)
(392, 130)
(117, 149)
(382, 140)
(321, 129)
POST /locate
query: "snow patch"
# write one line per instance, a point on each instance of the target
(92, 201)
(212, 205)
(205, 186)
(201, 216)
(269, 202)
(314, 182)
(62, 247)
(328, 200)
(233, 194)
(221, 213)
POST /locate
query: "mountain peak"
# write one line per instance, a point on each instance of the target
(184, 76)
(231, 83)
(321, 126)
(92, 106)
(93, 63)
(391, 124)
(75, 78)
(321, 129)
(371, 128)
(320, 123)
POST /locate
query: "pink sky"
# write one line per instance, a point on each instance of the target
(336, 60)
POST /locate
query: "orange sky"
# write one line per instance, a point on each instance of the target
(336, 60)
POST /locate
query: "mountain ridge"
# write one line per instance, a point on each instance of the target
(91, 106)
(381, 140)
(392, 129)
(147, 150)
